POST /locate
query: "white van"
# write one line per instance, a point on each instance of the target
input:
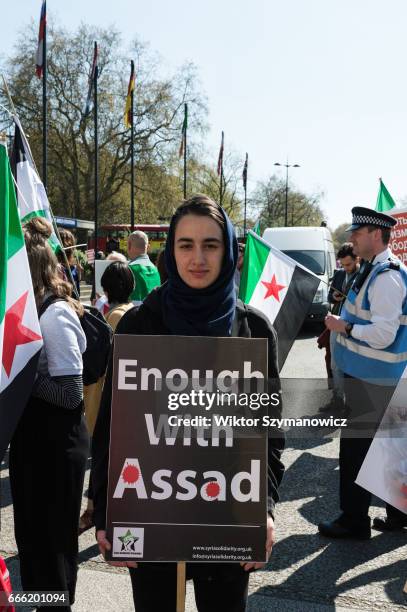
(313, 248)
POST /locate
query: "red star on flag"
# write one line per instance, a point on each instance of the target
(273, 288)
(15, 332)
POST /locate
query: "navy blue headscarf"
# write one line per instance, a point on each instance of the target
(201, 312)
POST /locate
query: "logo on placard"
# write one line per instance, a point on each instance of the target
(128, 541)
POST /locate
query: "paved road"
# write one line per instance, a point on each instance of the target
(306, 572)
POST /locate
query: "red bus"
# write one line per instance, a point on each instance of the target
(157, 235)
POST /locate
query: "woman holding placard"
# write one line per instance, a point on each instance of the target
(199, 299)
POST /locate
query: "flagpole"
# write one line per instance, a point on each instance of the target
(10, 99)
(220, 168)
(245, 193)
(221, 184)
(132, 154)
(245, 211)
(44, 110)
(95, 116)
(185, 151)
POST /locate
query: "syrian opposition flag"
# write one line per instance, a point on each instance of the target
(128, 114)
(31, 196)
(220, 156)
(39, 57)
(244, 173)
(184, 128)
(279, 287)
(92, 77)
(20, 336)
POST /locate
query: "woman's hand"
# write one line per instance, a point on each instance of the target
(104, 546)
(269, 545)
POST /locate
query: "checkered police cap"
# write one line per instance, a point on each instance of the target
(366, 216)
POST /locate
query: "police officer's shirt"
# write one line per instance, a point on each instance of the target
(386, 295)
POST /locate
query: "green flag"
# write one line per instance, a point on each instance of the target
(384, 200)
(20, 336)
(256, 227)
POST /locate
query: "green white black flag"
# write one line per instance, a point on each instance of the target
(279, 287)
(20, 335)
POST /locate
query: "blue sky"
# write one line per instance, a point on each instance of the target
(322, 82)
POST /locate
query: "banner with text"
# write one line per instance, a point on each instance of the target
(188, 449)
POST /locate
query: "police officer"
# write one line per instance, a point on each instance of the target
(371, 349)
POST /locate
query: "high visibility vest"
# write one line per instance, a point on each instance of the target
(357, 358)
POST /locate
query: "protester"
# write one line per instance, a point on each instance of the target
(118, 283)
(341, 283)
(68, 256)
(145, 273)
(112, 244)
(49, 450)
(343, 278)
(101, 301)
(116, 256)
(199, 299)
(370, 349)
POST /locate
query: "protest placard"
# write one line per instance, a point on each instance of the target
(188, 449)
(384, 470)
(100, 267)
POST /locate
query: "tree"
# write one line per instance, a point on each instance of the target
(268, 204)
(203, 178)
(158, 104)
(340, 236)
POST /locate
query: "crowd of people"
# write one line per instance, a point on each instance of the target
(192, 293)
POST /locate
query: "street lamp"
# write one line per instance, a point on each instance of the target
(286, 166)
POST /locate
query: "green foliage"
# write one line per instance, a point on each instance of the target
(268, 203)
(340, 236)
(159, 112)
(83, 263)
(71, 156)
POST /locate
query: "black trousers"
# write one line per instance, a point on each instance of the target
(48, 455)
(218, 587)
(367, 404)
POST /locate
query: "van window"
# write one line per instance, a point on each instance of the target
(313, 260)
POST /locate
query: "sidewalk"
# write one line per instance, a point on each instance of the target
(306, 573)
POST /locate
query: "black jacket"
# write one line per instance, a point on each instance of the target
(148, 320)
(337, 284)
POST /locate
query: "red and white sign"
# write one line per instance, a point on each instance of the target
(398, 240)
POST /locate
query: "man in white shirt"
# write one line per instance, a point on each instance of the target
(371, 349)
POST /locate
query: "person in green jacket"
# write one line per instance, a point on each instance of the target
(145, 273)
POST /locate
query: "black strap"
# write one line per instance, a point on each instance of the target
(50, 300)
(394, 265)
(364, 271)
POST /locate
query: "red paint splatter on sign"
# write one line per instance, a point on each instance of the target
(212, 489)
(130, 474)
